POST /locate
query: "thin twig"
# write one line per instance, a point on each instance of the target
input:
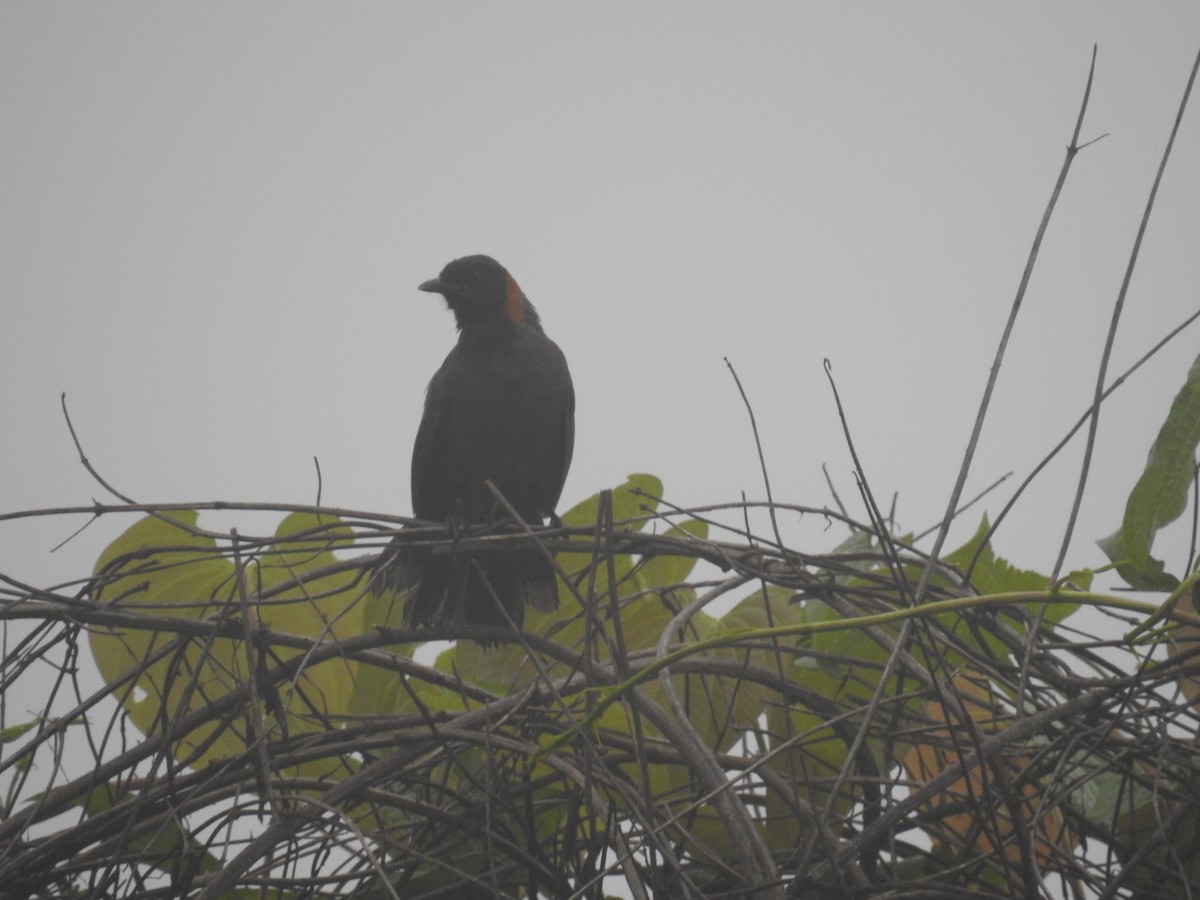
(762, 460)
(1118, 307)
(83, 456)
(968, 457)
(1066, 439)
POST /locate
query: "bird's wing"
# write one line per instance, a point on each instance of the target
(429, 486)
(560, 461)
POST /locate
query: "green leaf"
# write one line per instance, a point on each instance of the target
(378, 690)
(769, 608)
(1161, 493)
(858, 542)
(636, 498)
(298, 591)
(667, 571)
(995, 575)
(633, 501)
(161, 566)
(501, 669)
(10, 734)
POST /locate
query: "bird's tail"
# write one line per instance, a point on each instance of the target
(535, 583)
(461, 588)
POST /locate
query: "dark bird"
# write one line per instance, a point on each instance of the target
(500, 409)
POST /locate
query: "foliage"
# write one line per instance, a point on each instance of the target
(1161, 494)
(824, 731)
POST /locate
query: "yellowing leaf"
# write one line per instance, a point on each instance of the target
(160, 566)
(953, 814)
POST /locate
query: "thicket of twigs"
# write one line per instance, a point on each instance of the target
(272, 735)
(872, 722)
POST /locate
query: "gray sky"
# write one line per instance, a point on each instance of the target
(213, 219)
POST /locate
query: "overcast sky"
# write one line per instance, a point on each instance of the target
(213, 219)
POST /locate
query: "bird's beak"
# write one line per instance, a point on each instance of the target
(433, 286)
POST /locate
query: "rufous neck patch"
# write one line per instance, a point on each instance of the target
(514, 301)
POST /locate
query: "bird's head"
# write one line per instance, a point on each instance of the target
(479, 291)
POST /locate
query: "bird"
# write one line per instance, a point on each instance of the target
(501, 409)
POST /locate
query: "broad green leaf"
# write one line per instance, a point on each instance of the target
(1133, 804)
(377, 690)
(7, 735)
(501, 669)
(858, 542)
(993, 574)
(808, 754)
(843, 674)
(666, 571)
(161, 567)
(296, 597)
(1161, 493)
(508, 667)
(849, 647)
(633, 500)
(773, 608)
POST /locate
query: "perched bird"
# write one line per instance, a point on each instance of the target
(500, 409)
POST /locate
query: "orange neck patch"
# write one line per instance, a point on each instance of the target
(514, 301)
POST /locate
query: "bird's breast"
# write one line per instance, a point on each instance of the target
(498, 413)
